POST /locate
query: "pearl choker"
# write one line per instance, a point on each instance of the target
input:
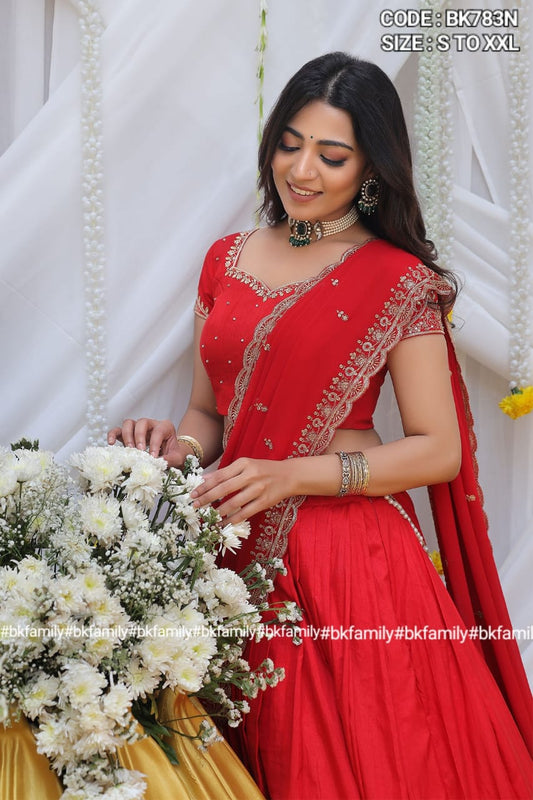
(302, 229)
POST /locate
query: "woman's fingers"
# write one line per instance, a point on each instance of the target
(142, 433)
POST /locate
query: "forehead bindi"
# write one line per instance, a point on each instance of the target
(323, 124)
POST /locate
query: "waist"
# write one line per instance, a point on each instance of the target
(352, 440)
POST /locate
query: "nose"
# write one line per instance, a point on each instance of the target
(303, 166)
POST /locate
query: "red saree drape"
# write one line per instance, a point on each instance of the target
(310, 360)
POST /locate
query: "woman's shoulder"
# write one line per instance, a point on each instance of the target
(396, 262)
(228, 243)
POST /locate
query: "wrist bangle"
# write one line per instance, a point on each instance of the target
(346, 475)
(194, 444)
(360, 473)
(355, 473)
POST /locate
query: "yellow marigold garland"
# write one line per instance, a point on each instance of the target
(518, 402)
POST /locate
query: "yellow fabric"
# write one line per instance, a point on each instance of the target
(216, 773)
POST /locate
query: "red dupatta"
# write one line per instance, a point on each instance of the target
(308, 362)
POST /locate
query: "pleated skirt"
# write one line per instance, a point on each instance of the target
(373, 704)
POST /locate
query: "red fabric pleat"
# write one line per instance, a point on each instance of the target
(471, 574)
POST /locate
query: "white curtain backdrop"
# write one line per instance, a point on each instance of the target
(180, 138)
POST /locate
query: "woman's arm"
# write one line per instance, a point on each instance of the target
(429, 453)
(201, 421)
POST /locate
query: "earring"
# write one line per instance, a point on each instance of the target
(369, 196)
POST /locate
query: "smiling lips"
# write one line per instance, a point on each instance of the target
(302, 192)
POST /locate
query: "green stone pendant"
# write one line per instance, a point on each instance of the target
(300, 232)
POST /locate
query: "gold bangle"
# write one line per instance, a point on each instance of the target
(360, 473)
(194, 444)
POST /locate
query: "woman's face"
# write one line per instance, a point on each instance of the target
(318, 166)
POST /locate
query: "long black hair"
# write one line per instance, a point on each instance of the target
(368, 95)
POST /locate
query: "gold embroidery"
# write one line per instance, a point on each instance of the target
(268, 443)
(201, 309)
(343, 315)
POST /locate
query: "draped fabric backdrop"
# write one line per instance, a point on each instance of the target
(179, 145)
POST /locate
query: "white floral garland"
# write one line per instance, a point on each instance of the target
(91, 29)
(434, 136)
(261, 49)
(519, 281)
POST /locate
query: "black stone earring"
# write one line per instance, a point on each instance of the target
(369, 196)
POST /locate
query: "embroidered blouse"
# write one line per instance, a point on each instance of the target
(233, 303)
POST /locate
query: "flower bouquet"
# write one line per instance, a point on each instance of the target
(109, 593)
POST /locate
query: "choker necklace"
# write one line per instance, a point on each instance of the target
(302, 229)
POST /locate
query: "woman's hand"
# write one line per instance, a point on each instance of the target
(159, 436)
(245, 487)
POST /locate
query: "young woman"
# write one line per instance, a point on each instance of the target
(297, 324)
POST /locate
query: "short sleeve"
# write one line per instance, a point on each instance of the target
(206, 295)
(429, 321)
(427, 316)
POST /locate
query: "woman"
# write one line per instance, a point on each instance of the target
(297, 324)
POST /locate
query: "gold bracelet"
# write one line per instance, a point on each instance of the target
(194, 444)
(360, 473)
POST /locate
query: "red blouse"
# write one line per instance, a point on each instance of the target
(233, 303)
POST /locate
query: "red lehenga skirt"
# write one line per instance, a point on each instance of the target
(413, 717)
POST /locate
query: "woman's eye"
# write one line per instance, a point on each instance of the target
(287, 148)
(332, 162)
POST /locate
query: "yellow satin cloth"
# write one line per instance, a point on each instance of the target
(216, 773)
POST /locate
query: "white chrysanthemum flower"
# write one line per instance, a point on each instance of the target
(81, 683)
(231, 536)
(231, 590)
(100, 517)
(92, 718)
(145, 481)
(190, 516)
(53, 737)
(184, 675)
(99, 466)
(97, 740)
(33, 574)
(140, 542)
(156, 652)
(140, 680)
(117, 702)
(40, 694)
(203, 647)
(99, 647)
(192, 481)
(92, 584)
(8, 475)
(134, 517)
(69, 598)
(71, 545)
(29, 464)
(107, 611)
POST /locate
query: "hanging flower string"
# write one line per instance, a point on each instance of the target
(260, 73)
(261, 48)
(433, 134)
(519, 401)
(91, 29)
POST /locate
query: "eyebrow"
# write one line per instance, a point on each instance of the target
(327, 142)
